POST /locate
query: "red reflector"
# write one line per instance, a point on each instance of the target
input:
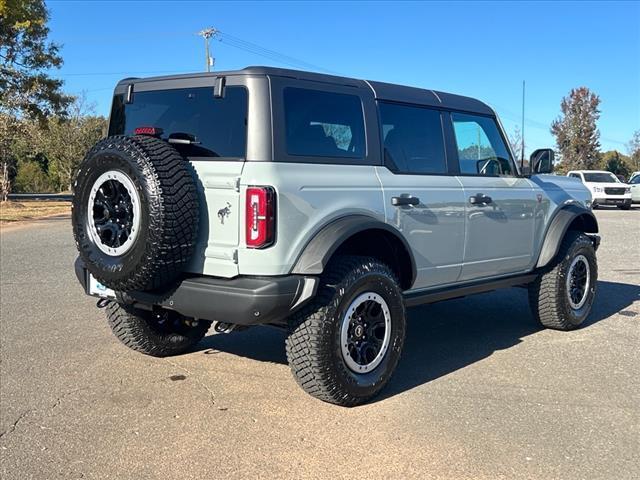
(153, 131)
(260, 217)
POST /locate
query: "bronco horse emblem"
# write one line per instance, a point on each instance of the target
(224, 212)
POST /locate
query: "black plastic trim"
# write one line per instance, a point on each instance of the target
(558, 228)
(436, 295)
(241, 300)
(613, 201)
(318, 251)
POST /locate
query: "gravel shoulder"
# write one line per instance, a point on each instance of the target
(16, 213)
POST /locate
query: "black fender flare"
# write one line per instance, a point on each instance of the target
(558, 228)
(318, 251)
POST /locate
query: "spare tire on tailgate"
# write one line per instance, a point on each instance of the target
(135, 213)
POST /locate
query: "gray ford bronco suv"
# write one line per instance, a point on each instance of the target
(323, 205)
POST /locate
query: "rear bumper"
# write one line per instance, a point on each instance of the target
(241, 300)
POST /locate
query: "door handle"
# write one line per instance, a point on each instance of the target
(404, 199)
(480, 199)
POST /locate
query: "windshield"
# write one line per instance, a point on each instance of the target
(635, 180)
(600, 177)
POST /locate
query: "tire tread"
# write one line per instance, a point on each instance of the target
(131, 327)
(544, 293)
(173, 217)
(308, 353)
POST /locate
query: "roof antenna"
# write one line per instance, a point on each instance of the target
(522, 136)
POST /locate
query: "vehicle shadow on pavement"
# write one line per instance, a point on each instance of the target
(265, 344)
(612, 298)
(447, 336)
(442, 337)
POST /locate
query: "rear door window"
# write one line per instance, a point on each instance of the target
(217, 127)
(481, 148)
(413, 139)
(323, 124)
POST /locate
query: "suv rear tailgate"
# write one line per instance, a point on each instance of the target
(209, 130)
(218, 237)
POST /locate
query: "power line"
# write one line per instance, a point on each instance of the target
(284, 59)
(268, 53)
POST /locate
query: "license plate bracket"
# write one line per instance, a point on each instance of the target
(96, 289)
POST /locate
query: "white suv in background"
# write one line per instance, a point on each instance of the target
(634, 182)
(605, 188)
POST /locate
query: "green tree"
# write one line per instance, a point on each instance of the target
(26, 88)
(31, 178)
(576, 132)
(25, 58)
(67, 139)
(560, 169)
(616, 163)
(475, 152)
(10, 129)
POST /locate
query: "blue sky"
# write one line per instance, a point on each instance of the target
(480, 49)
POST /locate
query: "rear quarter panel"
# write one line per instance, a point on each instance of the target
(309, 196)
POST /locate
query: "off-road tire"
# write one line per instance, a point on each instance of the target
(140, 331)
(314, 348)
(168, 200)
(548, 296)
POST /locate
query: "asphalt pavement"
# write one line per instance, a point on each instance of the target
(481, 392)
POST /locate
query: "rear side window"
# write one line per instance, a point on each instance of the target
(413, 139)
(217, 127)
(481, 149)
(323, 124)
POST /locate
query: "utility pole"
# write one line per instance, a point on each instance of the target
(522, 140)
(207, 34)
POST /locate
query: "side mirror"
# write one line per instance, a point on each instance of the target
(541, 161)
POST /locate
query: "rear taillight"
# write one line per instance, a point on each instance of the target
(260, 217)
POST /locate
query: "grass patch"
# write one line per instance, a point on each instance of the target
(11, 212)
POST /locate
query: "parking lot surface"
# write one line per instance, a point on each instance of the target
(481, 392)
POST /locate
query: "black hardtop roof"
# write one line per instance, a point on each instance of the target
(382, 91)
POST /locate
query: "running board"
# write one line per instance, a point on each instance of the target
(431, 296)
